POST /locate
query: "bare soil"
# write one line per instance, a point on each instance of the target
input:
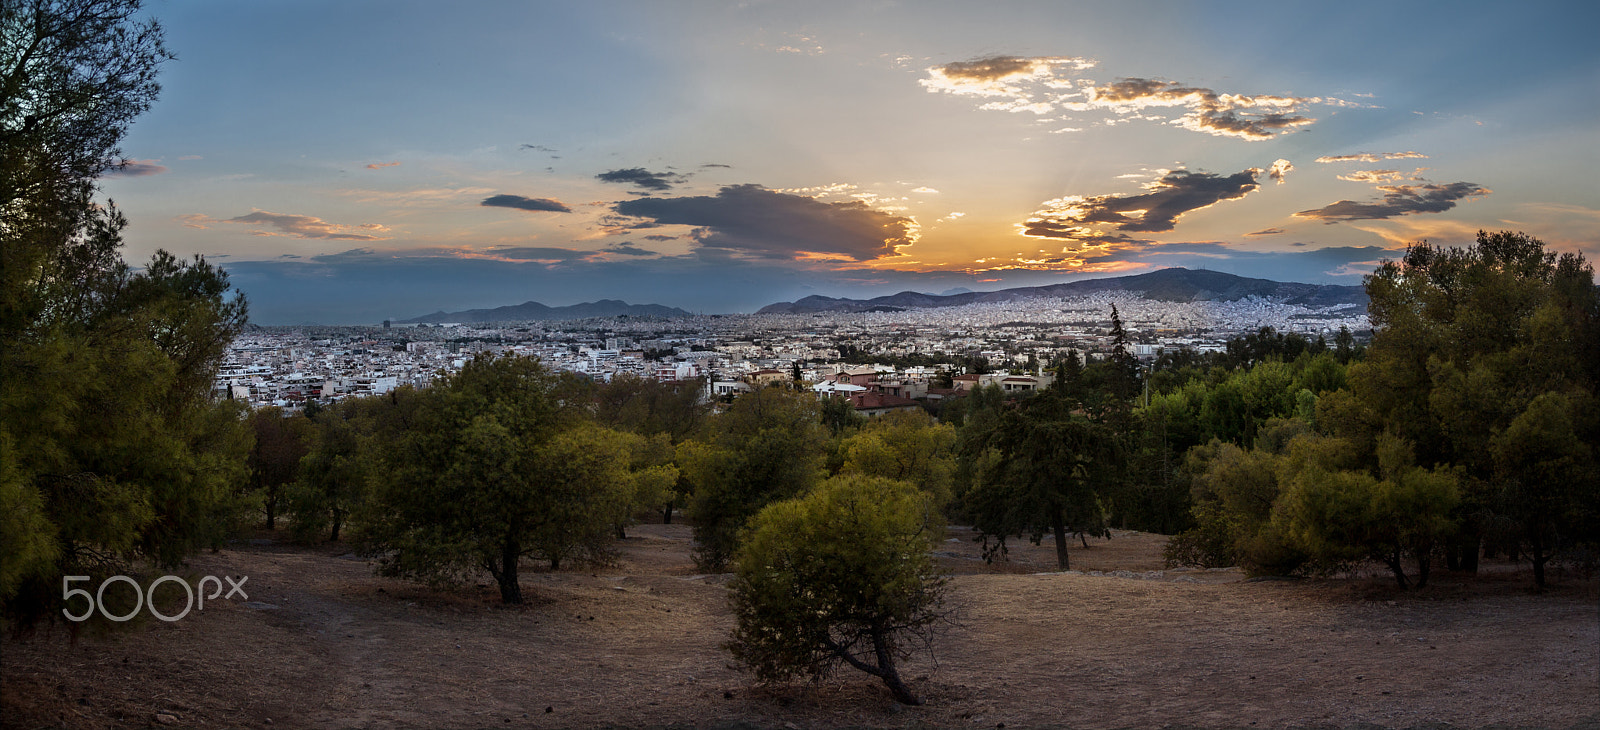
(1118, 642)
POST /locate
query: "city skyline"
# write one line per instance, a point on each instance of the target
(363, 161)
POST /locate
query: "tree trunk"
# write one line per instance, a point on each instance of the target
(889, 674)
(666, 514)
(1393, 561)
(1058, 529)
(1537, 554)
(1465, 548)
(338, 521)
(510, 588)
(1471, 548)
(1424, 561)
(272, 513)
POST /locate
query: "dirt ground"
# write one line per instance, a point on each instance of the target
(1118, 642)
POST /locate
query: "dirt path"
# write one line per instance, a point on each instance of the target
(324, 644)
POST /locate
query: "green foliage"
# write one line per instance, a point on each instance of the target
(1212, 543)
(1040, 467)
(114, 451)
(280, 444)
(839, 415)
(331, 479)
(1470, 342)
(907, 446)
(491, 465)
(842, 575)
(768, 446)
(27, 536)
(1341, 515)
(651, 407)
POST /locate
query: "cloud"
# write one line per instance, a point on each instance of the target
(924, 189)
(755, 220)
(641, 178)
(717, 164)
(1012, 83)
(381, 165)
(1041, 85)
(998, 75)
(1381, 176)
(544, 255)
(1398, 200)
(627, 248)
(521, 203)
(1332, 264)
(1090, 219)
(547, 254)
(1265, 232)
(292, 226)
(1253, 118)
(536, 148)
(1279, 170)
(136, 168)
(1371, 157)
(659, 237)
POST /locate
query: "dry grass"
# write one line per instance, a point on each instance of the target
(637, 644)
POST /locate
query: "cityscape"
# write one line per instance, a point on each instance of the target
(754, 365)
(289, 366)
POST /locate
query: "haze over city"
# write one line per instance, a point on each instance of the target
(355, 162)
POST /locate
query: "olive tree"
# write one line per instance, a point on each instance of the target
(842, 575)
(493, 465)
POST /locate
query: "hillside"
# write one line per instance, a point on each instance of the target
(323, 643)
(1171, 285)
(532, 311)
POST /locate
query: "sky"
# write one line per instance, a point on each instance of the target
(350, 162)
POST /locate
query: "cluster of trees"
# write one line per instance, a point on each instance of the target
(111, 447)
(1469, 427)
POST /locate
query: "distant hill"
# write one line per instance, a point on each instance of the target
(1169, 285)
(529, 311)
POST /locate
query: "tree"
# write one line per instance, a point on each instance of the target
(1468, 343)
(768, 446)
(280, 443)
(906, 446)
(1047, 472)
(840, 576)
(1337, 515)
(73, 76)
(653, 408)
(482, 474)
(591, 481)
(114, 451)
(340, 460)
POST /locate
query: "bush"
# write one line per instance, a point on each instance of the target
(1210, 544)
(840, 576)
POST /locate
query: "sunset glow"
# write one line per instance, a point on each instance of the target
(722, 157)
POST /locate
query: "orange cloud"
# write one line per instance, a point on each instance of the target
(293, 226)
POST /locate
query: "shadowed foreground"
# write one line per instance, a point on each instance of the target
(323, 643)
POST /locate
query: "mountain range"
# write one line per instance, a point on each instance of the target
(1168, 285)
(529, 311)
